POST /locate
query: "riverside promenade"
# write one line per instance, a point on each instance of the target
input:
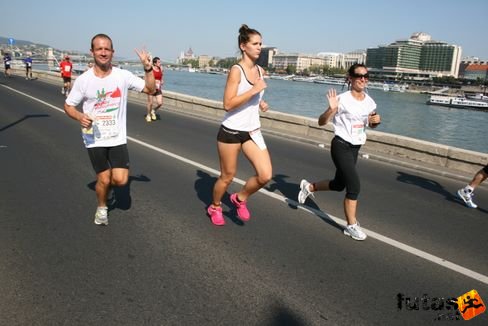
(161, 261)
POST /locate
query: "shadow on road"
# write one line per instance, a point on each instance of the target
(24, 118)
(428, 184)
(433, 186)
(120, 197)
(482, 210)
(204, 188)
(281, 315)
(288, 189)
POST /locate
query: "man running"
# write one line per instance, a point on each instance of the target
(66, 68)
(28, 67)
(103, 90)
(7, 61)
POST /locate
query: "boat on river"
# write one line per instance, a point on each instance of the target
(457, 102)
(330, 81)
(478, 97)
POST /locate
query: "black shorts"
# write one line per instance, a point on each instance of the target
(157, 92)
(67, 79)
(230, 136)
(104, 158)
(485, 169)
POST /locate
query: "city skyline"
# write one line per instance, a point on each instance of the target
(211, 27)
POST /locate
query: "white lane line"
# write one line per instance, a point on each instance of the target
(33, 98)
(425, 255)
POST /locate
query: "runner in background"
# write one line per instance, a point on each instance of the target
(28, 67)
(466, 193)
(158, 96)
(7, 60)
(66, 69)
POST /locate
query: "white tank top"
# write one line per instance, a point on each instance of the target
(246, 116)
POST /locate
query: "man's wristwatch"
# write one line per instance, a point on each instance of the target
(148, 70)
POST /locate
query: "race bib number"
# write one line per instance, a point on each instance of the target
(106, 126)
(358, 134)
(257, 137)
(67, 68)
(158, 84)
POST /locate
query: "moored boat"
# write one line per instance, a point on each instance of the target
(478, 97)
(457, 102)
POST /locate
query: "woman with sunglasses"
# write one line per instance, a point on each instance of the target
(350, 112)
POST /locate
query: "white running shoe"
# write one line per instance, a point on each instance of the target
(355, 232)
(101, 216)
(467, 198)
(62, 90)
(304, 191)
(153, 115)
(148, 118)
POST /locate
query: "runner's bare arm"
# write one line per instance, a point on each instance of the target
(73, 113)
(145, 58)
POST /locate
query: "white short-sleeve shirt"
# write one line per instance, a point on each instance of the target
(351, 118)
(105, 100)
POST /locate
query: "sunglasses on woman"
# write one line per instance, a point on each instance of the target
(365, 76)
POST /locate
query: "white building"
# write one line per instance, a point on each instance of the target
(300, 61)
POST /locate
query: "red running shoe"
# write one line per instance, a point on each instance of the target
(242, 211)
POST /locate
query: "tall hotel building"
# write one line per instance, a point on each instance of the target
(418, 58)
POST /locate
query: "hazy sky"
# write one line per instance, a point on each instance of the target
(211, 26)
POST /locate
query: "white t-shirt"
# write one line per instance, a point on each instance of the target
(245, 117)
(351, 118)
(105, 100)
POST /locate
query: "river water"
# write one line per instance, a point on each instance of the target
(405, 114)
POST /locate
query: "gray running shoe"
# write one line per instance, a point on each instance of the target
(467, 198)
(304, 192)
(355, 232)
(101, 216)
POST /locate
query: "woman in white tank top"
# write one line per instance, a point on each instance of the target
(240, 130)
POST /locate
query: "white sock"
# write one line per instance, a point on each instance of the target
(468, 189)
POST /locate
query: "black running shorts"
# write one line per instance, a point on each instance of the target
(230, 136)
(104, 158)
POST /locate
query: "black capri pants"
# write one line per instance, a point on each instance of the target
(345, 156)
